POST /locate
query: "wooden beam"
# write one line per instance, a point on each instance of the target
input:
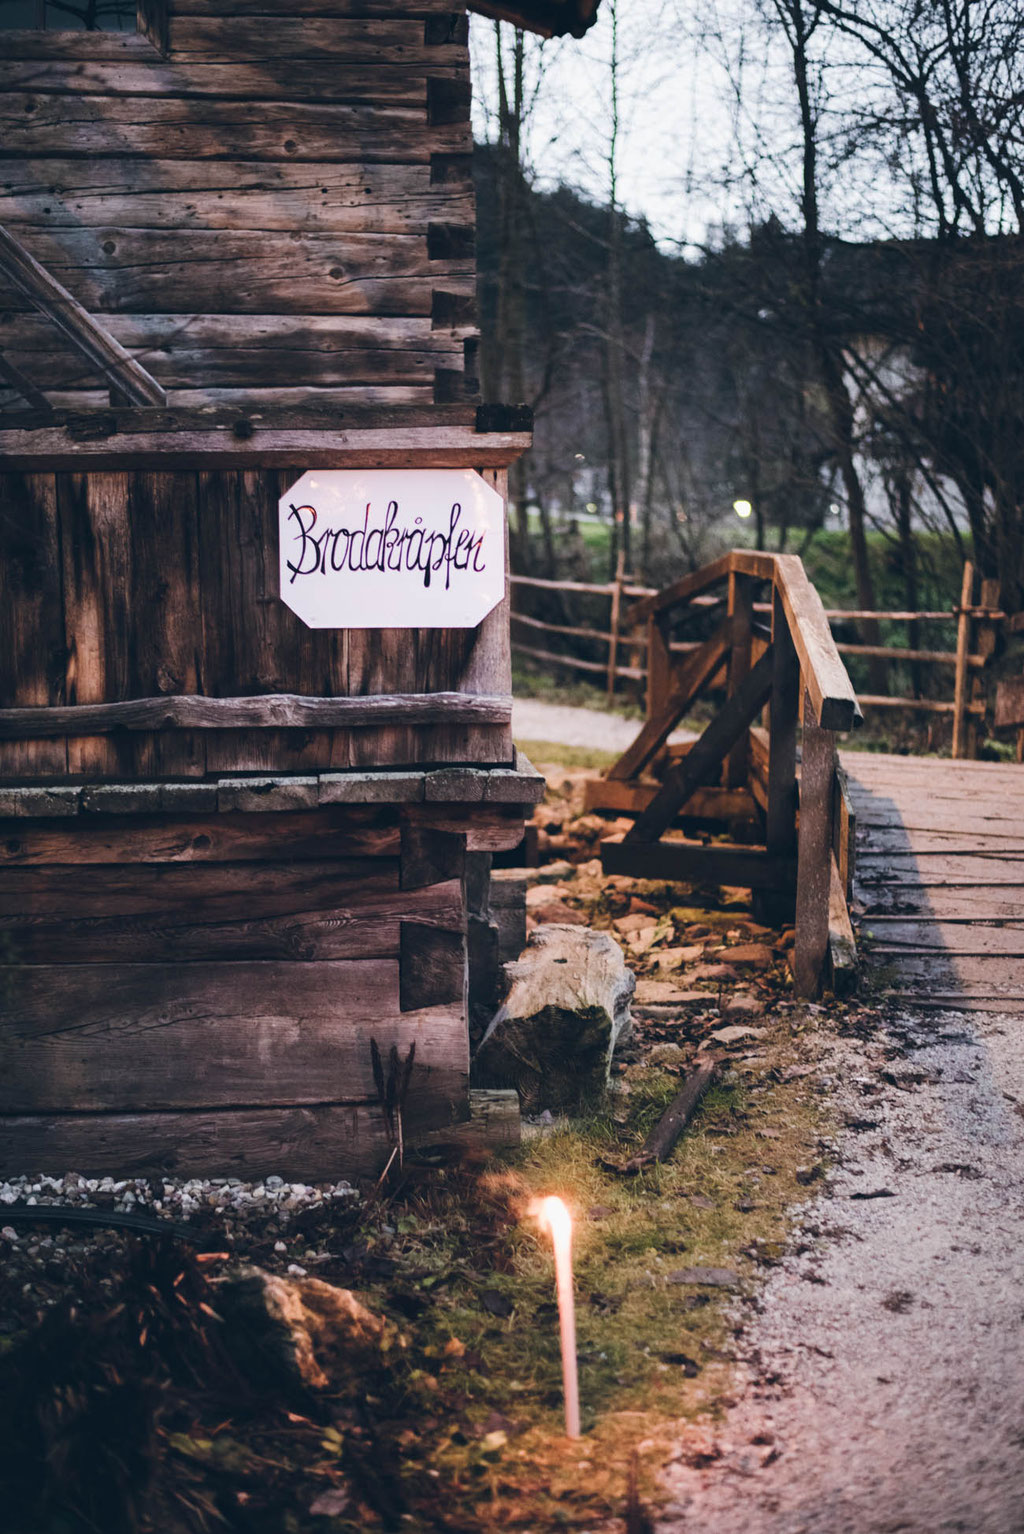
(692, 677)
(963, 637)
(704, 803)
(833, 700)
(814, 854)
(741, 615)
(274, 711)
(707, 752)
(680, 591)
(696, 863)
(780, 821)
(124, 374)
(842, 945)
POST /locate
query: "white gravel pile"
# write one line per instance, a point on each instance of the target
(177, 1198)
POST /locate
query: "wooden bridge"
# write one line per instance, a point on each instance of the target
(942, 860)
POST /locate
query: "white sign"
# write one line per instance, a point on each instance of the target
(392, 548)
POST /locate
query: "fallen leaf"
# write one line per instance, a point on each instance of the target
(734, 1033)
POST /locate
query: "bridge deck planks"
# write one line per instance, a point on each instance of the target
(940, 879)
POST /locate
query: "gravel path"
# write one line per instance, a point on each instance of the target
(882, 1372)
(533, 720)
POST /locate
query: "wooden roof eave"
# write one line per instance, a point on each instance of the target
(548, 18)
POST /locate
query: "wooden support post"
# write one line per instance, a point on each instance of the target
(784, 708)
(776, 906)
(613, 638)
(814, 855)
(984, 646)
(963, 646)
(741, 620)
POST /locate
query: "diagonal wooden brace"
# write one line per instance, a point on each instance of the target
(124, 375)
(692, 677)
(720, 735)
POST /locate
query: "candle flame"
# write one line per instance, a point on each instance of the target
(553, 1216)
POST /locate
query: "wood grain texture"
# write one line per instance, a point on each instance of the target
(32, 659)
(322, 1143)
(100, 1038)
(34, 124)
(207, 893)
(334, 831)
(940, 875)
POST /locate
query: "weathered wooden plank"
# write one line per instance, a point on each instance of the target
(814, 852)
(930, 934)
(386, 84)
(921, 871)
(304, 919)
(485, 827)
(211, 128)
(900, 841)
(31, 618)
(100, 1038)
(271, 711)
(240, 271)
(340, 831)
(784, 703)
(833, 702)
(344, 39)
(228, 194)
(693, 863)
(98, 619)
(948, 973)
(432, 967)
(282, 352)
(315, 1144)
(703, 804)
(270, 10)
(112, 440)
(205, 893)
(842, 945)
(942, 903)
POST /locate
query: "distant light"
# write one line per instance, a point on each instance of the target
(591, 505)
(742, 508)
(835, 509)
(581, 457)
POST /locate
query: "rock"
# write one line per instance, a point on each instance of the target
(712, 972)
(556, 912)
(636, 922)
(675, 958)
(667, 1055)
(715, 1278)
(742, 1008)
(566, 1010)
(734, 1034)
(752, 955)
(663, 992)
(299, 1329)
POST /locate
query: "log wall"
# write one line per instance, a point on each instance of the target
(198, 993)
(276, 210)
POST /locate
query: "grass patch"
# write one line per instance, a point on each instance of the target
(476, 1403)
(553, 753)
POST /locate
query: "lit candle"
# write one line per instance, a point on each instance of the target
(555, 1217)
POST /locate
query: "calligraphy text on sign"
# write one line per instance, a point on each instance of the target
(400, 548)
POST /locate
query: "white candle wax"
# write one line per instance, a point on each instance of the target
(555, 1217)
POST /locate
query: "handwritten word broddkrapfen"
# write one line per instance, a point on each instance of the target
(384, 546)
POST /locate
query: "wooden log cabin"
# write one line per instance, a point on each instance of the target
(237, 248)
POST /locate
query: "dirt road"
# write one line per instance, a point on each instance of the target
(881, 1384)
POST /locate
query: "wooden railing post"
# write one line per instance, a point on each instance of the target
(783, 713)
(814, 854)
(616, 614)
(963, 646)
(987, 636)
(741, 618)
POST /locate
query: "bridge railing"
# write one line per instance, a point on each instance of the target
(791, 830)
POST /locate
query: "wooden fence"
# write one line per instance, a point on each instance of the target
(975, 621)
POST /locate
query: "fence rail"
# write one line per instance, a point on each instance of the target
(977, 626)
